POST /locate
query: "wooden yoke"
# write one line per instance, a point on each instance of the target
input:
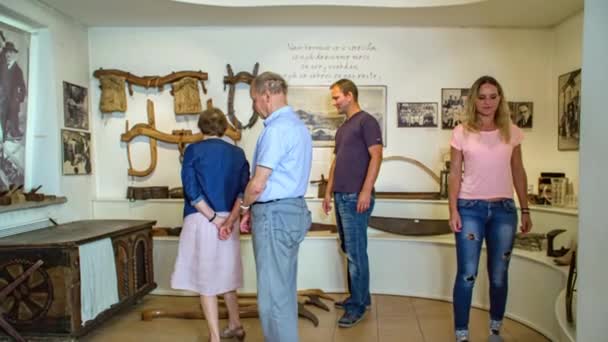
(153, 81)
(153, 151)
(180, 137)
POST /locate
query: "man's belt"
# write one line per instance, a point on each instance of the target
(276, 200)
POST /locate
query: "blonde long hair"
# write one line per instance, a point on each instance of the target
(502, 118)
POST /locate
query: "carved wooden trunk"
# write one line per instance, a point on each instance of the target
(49, 302)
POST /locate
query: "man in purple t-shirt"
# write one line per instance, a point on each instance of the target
(358, 154)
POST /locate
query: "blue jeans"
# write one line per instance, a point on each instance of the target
(278, 228)
(496, 222)
(352, 228)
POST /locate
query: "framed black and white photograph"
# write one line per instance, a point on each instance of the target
(569, 111)
(522, 113)
(75, 106)
(76, 152)
(14, 62)
(416, 114)
(314, 106)
(453, 101)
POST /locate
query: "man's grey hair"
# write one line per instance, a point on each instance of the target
(271, 82)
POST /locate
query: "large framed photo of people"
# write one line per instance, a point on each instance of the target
(75, 106)
(314, 106)
(569, 111)
(416, 114)
(522, 113)
(14, 62)
(76, 152)
(453, 101)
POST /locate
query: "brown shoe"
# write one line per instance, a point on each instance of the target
(238, 333)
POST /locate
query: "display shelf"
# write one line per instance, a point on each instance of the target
(30, 205)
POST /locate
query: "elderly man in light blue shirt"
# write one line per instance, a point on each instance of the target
(279, 216)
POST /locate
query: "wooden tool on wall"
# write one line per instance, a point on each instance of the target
(147, 81)
(180, 137)
(232, 80)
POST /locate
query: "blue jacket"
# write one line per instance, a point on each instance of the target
(213, 171)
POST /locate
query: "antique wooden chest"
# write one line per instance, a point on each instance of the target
(49, 302)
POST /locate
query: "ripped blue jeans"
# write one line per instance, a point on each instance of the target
(496, 222)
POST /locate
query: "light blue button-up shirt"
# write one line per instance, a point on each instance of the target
(285, 146)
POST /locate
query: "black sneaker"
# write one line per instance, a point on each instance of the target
(340, 305)
(350, 320)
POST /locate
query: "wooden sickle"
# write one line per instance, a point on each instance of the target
(416, 163)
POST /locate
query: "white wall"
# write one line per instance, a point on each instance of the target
(593, 235)
(60, 52)
(414, 63)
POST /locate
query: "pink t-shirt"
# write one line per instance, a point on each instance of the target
(487, 162)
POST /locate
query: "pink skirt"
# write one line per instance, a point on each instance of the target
(205, 264)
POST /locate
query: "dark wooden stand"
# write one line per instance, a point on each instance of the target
(47, 305)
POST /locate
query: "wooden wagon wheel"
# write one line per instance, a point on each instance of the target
(31, 299)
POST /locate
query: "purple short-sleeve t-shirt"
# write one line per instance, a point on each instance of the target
(353, 139)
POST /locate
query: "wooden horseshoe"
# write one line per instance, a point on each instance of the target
(231, 80)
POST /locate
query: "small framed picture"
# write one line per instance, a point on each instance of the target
(75, 106)
(313, 104)
(76, 152)
(453, 101)
(522, 113)
(417, 114)
(569, 111)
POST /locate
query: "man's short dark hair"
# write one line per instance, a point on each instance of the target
(212, 122)
(347, 86)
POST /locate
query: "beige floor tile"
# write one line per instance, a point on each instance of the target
(392, 318)
(522, 333)
(431, 307)
(394, 306)
(436, 328)
(312, 334)
(398, 329)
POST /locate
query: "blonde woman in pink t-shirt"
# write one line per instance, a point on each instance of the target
(481, 202)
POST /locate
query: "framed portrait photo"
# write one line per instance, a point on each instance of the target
(75, 106)
(522, 113)
(76, 152)
(417, 114)
(569, 111)
(453, 101)
(314, 106)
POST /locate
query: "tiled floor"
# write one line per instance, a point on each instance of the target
(391, 319)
